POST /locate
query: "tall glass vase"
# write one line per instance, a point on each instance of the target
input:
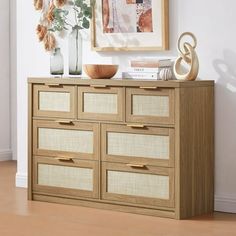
(75, 52)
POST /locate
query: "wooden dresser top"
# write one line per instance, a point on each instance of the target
(121, 82)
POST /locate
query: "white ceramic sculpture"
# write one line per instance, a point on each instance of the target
(166, 74)
(188, 54)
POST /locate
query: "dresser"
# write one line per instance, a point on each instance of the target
(145, 147)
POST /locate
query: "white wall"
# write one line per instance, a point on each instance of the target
(13, 80)
(5, 152)
(213, 23)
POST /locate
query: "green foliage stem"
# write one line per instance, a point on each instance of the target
(82, 12)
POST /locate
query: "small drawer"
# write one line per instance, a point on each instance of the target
(138, 143)
(65, 138)
(138, 184)
(150, 105)
(54, 100)
(65, 176)
(101, 103)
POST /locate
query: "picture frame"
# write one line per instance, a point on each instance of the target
(147, 28)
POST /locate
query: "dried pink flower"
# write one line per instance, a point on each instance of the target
(41, 31)
(49, 41)
(38, 4)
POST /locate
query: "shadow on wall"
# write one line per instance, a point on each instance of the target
(225, 101)
(226, 68)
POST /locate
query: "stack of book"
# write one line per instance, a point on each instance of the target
(147, 69)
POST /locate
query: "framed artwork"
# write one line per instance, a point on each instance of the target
(130, 25)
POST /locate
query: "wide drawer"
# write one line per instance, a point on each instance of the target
(54, 100)
(150, 105)
(65, 138)
(65, 176)
(138, 144)
(101, 103)
(138, 184)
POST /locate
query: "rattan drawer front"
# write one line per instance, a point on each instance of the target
(54, 101)
(75, 139)
(101, 103)
(150, 145)
(140, 184)
(150, 105)
(66, 176)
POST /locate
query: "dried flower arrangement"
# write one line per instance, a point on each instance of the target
(55, 18)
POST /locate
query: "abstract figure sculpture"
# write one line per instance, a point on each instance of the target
(188, 55)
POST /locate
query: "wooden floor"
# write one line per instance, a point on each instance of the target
(20, 217)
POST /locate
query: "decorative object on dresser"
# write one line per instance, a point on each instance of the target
(189, 56)
(130, 25)
(75, 52)
(140, 75)
(59, 16)
(165, 74)
(56, 62)
(145, 147)
(149, 69)
(151, 63)
(100, 71)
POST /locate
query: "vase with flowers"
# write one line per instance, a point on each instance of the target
(75, 52)
(61, 16)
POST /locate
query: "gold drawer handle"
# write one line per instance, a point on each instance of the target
(64, 158)
(64, 122)
(145, 87)
(136, 125)
(53, 85)
(136, 165)
(98, 86)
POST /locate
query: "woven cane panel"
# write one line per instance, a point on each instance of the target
(54, 101)
(65, 177)
(145, 105)
(65, 140)
(138, 145)
(137, 184)
(100, 103)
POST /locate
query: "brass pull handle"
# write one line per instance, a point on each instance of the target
(53, 85)
(136, 125)
(136, 165)
(64, 158)
(98, 85)
(146, 87)
(64, 122)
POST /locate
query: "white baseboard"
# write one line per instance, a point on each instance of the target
(225, 203)
(21, 180)
(5, 155)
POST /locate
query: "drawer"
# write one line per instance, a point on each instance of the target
(101, 103)
(138, 184)
(54, 100)
(65, 138)
(150, 105)
(138, 144)
(66, 176)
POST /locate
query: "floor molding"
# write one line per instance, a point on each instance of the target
(5, 155)
(225, 203)
(21, 180)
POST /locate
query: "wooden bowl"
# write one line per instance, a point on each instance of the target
(96, 71)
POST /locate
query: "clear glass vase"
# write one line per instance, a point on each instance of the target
(56, 62)
(75, 52)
